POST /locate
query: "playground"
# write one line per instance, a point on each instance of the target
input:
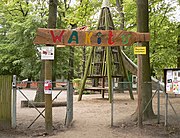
(117, 86)
(92, 118)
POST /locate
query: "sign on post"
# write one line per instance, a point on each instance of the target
(89, 38)
(47, 53)
(140, 50)
(172, 80)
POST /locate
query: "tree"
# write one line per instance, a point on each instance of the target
(178, 48)
(52, 18)
(18, 27)
(144, 74)
(20, 19)
(119, 4)
(39, 97)
(162, 44)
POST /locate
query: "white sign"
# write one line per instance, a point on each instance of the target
(173, 81)
(48, 87)
(47, 53)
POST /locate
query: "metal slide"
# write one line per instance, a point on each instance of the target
(132, 67)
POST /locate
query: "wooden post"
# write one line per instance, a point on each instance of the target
(125, 73)
(48, 68)
(5, 100)
(103, 72)
(48, 99)
(109, 73)
(85, 75)
(112, 107)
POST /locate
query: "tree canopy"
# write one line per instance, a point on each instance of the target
(19, 20)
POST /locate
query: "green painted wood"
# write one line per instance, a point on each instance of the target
(107, 67)
(103, 72)
(108, 54)
(125, 73)
(85, 74)
(5, 101)
(109, 73)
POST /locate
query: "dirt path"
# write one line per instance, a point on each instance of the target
(92, 119)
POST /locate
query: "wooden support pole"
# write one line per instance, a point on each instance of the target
(48, 99)
(109, 62)
(125, 73)
(112, 107)
(48, 68)
(85, 75)
(103, 71)
(109, 73)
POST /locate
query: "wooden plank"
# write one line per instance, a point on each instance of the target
(101, 76)
(96, 88)
(42, 104)
(5, 102)
(89, 38)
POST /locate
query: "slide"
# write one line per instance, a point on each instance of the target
(132, 67)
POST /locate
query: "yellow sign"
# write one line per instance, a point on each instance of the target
(140, 50)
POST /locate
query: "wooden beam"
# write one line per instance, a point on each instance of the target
(89, 38)
(85, 74)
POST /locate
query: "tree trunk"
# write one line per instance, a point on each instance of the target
(51, 24)
(178, 49)
(119, 4)
(144, 76)
(40, 85)
(84, 60)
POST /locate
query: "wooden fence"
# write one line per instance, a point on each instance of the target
(5, 101)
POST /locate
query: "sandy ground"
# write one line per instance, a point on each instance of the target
(92, 119)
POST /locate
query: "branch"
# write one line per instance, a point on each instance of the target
(164, 14)
(119, 4)
(21, 9)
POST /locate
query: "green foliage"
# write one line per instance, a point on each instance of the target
(18, 26)
(163, 31)
(19, 20)
(82, 13)
(163, 44)
(63, 62)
